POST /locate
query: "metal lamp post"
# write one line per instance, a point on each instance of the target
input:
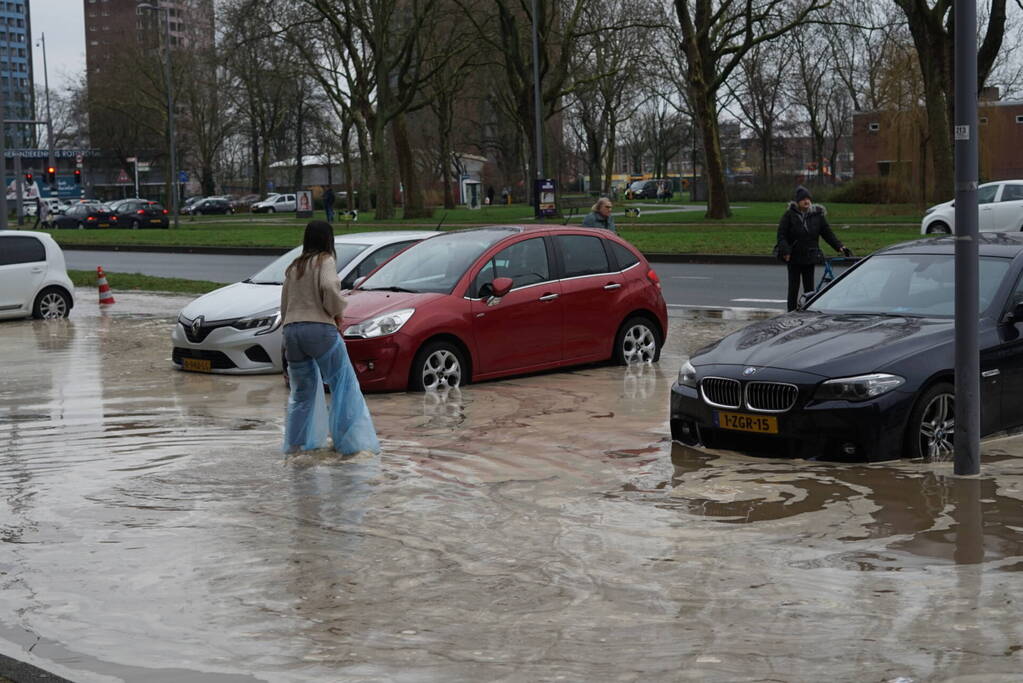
(170, 105)
(49, 116)
(967, 266)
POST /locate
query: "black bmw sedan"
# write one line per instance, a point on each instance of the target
(864, 369)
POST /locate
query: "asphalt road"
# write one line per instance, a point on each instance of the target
(684, 284)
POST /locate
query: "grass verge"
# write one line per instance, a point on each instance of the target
(144, 283)
(750, 230)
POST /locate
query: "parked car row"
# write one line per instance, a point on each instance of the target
(453, 308)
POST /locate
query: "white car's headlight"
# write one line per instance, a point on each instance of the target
(930, 210)
(687, 375)
(388, 323)
(264, 322)
(859, 388)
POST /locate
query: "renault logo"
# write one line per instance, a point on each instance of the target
(749, 371)
(197, 325)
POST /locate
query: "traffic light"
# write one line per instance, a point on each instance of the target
(51, 175)
(78, 176)
(28, 178)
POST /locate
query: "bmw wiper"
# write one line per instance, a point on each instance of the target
(389, 289)
(262, 282)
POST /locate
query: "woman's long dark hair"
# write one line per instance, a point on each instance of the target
(317, 243)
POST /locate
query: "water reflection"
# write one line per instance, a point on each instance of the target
(639, 381)
(443, 408)
(924, 513)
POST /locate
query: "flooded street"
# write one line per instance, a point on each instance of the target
(535, 529)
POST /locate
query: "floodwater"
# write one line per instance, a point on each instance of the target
(535, 529)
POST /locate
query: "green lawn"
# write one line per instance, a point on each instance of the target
(750, 230)
(137, 281)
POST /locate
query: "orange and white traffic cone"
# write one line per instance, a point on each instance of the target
(105, 295)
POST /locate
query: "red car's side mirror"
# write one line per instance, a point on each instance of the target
(501, 286)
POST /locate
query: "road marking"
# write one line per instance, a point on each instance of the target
(689, 277)
(761, 301)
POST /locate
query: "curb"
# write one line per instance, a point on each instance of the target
(738, 259)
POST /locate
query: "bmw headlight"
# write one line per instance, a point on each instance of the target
(859, 388)
(930, 210)
(687, 375)
(264, 322)
(388, 323)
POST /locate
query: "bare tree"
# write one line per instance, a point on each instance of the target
(931, 25)
(759, 97)
(715, 35)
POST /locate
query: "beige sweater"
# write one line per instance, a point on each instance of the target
(315, 297)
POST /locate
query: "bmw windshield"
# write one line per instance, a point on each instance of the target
(435, 264)
(906, 284)
(273, 274)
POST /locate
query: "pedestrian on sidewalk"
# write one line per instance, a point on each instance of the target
(799, 232)
(328, 203)
(600, 216)
(42, 213)
(311, 310)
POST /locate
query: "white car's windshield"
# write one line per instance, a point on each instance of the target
(436, 264)
(273, 274)
(906, 284)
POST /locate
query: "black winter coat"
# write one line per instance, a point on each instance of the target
(799, 234)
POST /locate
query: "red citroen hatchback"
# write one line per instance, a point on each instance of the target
(496, 301)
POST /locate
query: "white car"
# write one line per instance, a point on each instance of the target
(275, 203)
(33, 278)
(1000, 209)
(237, 329)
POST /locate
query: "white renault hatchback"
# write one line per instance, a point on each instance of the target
(999, 209)
(33, 278)
(237, 329)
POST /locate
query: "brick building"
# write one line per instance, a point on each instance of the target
(893, 144)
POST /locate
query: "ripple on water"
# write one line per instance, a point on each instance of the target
(894, 515)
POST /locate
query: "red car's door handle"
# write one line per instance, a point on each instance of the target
(613, 285)
(549, 297)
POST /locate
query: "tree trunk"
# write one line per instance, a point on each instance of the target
(206, 180)
(254, 146)
(717, 197)
(445, 168)
(605, 188)
(299, 146)
(383, 181)
(365, 178)
(412, 196)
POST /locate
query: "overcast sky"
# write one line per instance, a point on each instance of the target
(63, 22)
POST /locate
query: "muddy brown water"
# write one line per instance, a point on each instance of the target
(535, 529)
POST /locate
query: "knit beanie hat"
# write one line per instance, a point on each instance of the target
(802, 193)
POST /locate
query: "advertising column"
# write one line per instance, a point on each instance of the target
(544, 189)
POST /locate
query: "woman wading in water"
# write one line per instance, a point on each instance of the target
(311, 308)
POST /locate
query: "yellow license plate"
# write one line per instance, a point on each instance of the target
(761, 424)
(196, 364)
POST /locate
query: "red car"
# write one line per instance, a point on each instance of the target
(478, 304)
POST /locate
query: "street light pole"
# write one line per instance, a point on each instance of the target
(967, 265)
(49, 116)
(170, 106)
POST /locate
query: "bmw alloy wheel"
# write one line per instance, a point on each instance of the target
(441, 369)
(937, 428)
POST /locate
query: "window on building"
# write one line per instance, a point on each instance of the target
(874, 126)
(983, 120)
(1019, 119)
